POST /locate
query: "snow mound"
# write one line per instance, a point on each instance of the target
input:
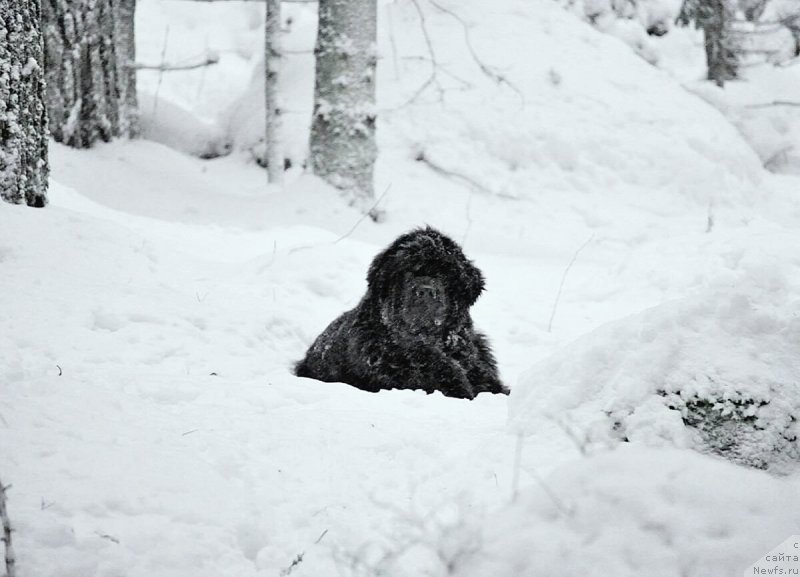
(563, 108)
(717, 372)
(638, 511)
(172, 125)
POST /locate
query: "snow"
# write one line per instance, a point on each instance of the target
(639, 378)
(150, 424)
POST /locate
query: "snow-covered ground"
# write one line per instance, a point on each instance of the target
(149, 422)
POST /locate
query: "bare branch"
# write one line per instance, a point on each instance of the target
(164, 67)
(432, 80)
(487, 70)
(472, 183)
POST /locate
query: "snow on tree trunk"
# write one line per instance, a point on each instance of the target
(126, 57)
(91, 87)
(342, 145)
(23, 116)
(272, 62)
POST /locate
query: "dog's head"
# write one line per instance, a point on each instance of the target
(424, 281)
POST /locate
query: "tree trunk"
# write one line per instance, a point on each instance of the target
(23, 115)
(126, 57)
(342, 144)
(91, 87)
(721, 57)
(272, 63)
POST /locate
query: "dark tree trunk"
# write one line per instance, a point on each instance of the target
(23, 115)
(342, 144)
(721, 56)
(715, 18)
(91, 86)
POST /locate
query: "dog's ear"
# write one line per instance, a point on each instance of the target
(470, 283)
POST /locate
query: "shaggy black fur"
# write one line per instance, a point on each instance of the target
(412, 329)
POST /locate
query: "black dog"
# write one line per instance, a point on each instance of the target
(412, 330)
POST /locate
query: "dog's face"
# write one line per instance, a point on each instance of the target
(426, 254)
(423, 305)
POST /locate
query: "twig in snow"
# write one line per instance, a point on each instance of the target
(370, 213)
(295, 562)
(474, 184)
(9, 549)
(107, 537)
(564, 278)
(325, 532)
(486, 69)
(60, 372)
(774, 103)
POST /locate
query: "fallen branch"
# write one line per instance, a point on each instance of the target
(9, 549)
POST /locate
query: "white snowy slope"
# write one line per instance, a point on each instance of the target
(149, 421)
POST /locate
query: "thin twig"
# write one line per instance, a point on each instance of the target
(774, 103)
(486, 69)
(432, 78)
(369, 213)
(163, 67)
(295, 562)
(474, 184)
(161, 73)
(325, 532)
(564, 278)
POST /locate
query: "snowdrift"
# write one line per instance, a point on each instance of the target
(636, 511)
(527, 101)
(717, 371)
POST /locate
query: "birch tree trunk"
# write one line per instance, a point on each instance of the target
(272, 63)
(23, 115)
(91, 88)
(342, 144)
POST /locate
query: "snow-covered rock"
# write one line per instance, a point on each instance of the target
(717, 371)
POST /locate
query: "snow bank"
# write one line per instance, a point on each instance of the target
(636, 511)
(547, 106)
(717, 371)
